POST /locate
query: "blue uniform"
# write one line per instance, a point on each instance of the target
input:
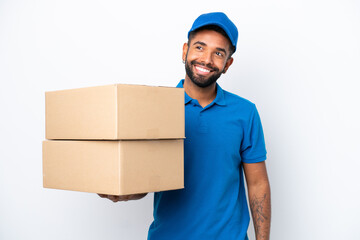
(213, 203)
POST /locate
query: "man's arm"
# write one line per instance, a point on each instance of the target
(259, 198)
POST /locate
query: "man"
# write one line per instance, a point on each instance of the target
(224, 139)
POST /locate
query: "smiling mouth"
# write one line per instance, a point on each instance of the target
(202, 70)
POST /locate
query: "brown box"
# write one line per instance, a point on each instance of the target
(114, 112)
(114, 167)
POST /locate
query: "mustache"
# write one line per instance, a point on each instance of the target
(210, 66)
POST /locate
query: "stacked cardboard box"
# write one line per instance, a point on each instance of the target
(116, 139)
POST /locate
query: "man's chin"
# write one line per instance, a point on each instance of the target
(203, 83)
(199, 80)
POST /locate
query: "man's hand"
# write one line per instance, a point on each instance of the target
(125, 198)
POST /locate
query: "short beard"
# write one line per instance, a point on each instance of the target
(200, 81)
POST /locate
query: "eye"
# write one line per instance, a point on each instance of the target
(220, 54)
(199, 47)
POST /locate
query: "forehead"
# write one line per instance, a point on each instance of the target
(211, 38)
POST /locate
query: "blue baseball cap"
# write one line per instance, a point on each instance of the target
(219, 19)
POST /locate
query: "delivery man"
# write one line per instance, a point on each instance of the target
(224, 141)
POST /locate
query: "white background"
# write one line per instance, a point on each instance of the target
(297, 60)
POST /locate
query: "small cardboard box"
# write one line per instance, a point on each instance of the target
(114, 167)
(115, 112)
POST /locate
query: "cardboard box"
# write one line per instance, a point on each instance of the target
(113, 167)
(114, 112)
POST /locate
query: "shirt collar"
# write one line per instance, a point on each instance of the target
(219, 99)
(187, 97)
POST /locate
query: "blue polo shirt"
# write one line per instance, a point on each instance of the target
(213, 205)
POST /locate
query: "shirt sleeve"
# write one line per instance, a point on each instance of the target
(253, 148)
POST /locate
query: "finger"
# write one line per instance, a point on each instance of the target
(124, 198)
(113, 198)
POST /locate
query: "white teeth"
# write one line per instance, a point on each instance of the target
(202, 69)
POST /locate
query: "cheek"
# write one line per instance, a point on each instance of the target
(193, 55)
(220, 64)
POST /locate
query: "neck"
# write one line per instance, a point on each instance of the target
(203, 95)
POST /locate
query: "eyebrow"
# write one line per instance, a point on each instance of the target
(204, 44)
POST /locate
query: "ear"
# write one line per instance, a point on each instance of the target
(228, 64)
(185, 49)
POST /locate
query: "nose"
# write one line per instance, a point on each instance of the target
(206, 58)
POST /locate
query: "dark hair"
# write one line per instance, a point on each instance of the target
(216, 29)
